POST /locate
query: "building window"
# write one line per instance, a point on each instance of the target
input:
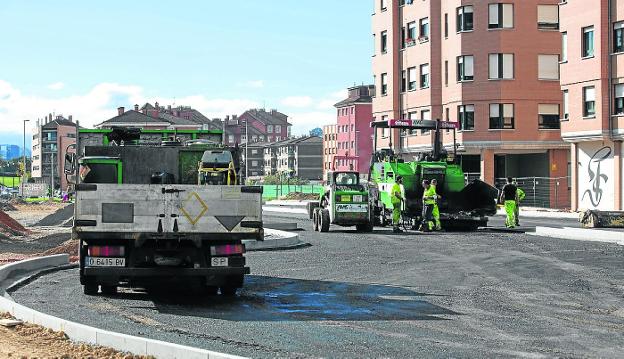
(352, 110)
(501, 16)
(230, 138)
(254, 163)
(278, 129)
(412, 116)
(548, 117)
(445, 26)
(501, 66)
(269, 128)
(466, 117)
(384, 84)
(424, 76)
(425, 115)
(411, 34)
(548, 67)
(411, 78)
(566, 105)
(384, 131)
(465, 68)
(501, 116)
(384, 7)
(618, 37)
(424, 29)
(352, 144)
(619, 99)
(446, 74)
(589, 101)
(564, 47)
(465, 18)
(374, 44)
(588, 42)
(403, 81)
(548, 17)
(384, 42)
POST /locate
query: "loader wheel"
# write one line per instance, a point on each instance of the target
(109, 289)
(312, 206)
(90, 288)
(324, 220)
(228, 291)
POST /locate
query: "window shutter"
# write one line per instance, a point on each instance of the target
(564, 46)
(426, 115)
(424, 70)
(548, 109)
(494, 110)
(548, 14)
(508, 66)
(468, 9)
(508, 110)
(493, 66)
(566, 101)
(494, 14)
(469, 108)
(508, 20)
(618, 25)
(468, 66)
(619, 90)
(548, 66)
(411, 74)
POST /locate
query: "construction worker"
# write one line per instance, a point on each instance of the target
(436, 209)
(429, 198)
(397, 199)
(519, 198)
(508, 198)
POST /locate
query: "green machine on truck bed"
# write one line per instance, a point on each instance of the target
(344, 201)
(152, 213)
(462, 207)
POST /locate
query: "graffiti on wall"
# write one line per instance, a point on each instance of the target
(596, 178)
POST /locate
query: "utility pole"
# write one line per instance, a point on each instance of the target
(24, 159)
(246, 152)
(52, 175)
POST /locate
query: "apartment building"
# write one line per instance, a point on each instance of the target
(592, 81)
(330, 148)
(51, 137)
(353, 131)
(257, 124)
(253, 159)
(295, 157)
(490, 66)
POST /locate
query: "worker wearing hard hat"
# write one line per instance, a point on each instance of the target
(436, 209)
(396, 197)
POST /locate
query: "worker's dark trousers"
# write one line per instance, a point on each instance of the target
(427, 217)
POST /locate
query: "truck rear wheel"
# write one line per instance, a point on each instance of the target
(324, 220)
(109, 289)
(228, 291)
(315, 219)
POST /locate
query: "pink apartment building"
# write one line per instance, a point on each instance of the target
(491, 66)
(51, 137)
(353, 131)
(330, 148)
(592, 80)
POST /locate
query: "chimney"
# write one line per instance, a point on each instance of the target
(121, 110)
(169, 108)
(156, 105)
(153, 113)
(49, 118)
(71, 118)
(136, 107)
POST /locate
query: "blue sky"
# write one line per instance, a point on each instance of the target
(86, 59)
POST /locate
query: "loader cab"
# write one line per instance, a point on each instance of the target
(217, 168)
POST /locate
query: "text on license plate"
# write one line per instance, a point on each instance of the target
(105, 262)
(219, 261)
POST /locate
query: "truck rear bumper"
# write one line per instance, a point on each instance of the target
(164, 272)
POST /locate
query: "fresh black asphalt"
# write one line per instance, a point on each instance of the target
(352, 295)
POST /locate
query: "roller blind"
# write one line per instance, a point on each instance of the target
(508, 16)
(566, 102)
(590, 94)
(493, 66)
(467, 9)
(619, 90)
(494, 110)
(493, 14)
(548, 109)
(618, 25)
(424, 70)
(426, 115)
(548, 14)
(469, 108)
(411, 74)
(508, 66)
(468, 66)
(508, 110)
(548, 66)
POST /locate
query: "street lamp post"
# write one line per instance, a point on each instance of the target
(24, 159)
(246, 152)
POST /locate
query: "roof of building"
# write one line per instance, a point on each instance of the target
(59, 121)
(174, 120)
(297, 141)
(357, 94)
(273, 117)
(133, 117)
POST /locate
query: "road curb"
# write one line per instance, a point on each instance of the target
(283, 240)
(581, 234)
(86, 334)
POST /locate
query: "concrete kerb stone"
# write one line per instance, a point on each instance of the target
(86, 334)
(276, 239)
(581, 234)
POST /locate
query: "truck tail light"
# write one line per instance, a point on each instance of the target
(227, 249)
(106, 251)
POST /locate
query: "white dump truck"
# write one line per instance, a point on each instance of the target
(147, 215)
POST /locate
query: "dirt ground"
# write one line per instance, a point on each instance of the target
(33, 341)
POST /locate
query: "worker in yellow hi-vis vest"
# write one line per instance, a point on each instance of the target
(520, 195)
(436, 209)
(429, 198)
(396, 198)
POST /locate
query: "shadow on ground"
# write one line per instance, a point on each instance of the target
(285, 299)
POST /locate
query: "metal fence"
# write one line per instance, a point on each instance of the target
(276, 191)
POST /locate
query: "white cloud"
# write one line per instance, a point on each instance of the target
(328, 102)
(99, 104)
(56, 86)
(297, 101)
(303, 122)
(256, 84)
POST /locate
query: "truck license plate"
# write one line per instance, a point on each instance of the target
(219, 261)
(105, 262)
